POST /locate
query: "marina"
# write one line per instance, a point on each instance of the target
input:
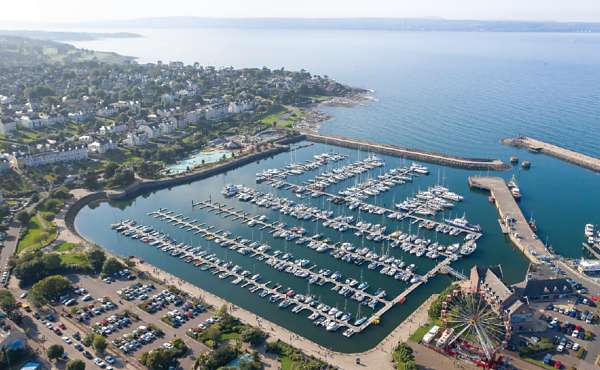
(367, 238)
(324, 315)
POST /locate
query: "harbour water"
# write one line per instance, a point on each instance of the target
(453, 92)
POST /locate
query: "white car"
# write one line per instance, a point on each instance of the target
(560, 348)
(109, 359)
(67, 340)
(575, 346)
(575, 333)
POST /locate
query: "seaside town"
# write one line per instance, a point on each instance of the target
(308, 243)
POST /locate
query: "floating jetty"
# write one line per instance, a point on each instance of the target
(556, 151)
(516, 226)
(321, 314)
(415, 154)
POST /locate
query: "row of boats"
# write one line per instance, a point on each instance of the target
(295, 169)
(375, 232)
(321, 181)
(377, 185)
(592, 236)
(323, 315)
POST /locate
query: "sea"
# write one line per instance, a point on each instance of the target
(453, 92)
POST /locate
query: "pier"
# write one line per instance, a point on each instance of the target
(519, 230)
(534, 145)
(414, 154)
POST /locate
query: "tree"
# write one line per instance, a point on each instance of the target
(404, 357)
(55, 351)
(7, 301)
(23, 217)
(76, 365)
(99, 344)
(48, 289)
(91, 181)
(112, 266)
(97, 257)
(88, 339)
(157, 359)
(110, 169)
(254, 336)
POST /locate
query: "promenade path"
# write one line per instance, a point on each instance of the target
(379, 357)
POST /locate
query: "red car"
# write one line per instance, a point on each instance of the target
(557, 364)
(62, 326)
(57, 331)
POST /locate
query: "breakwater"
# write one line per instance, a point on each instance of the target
(415, 154)
(556, 151)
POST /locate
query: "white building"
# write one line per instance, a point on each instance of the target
(49, 157)
(136, 138)
(112, 129)
(216, 112)
(240, 106)
(101, 146)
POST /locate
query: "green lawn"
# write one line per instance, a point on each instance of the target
(538, 363)
(39, 234)
(287, 363)
(78, 259)
(65, 247)
(420, 332)
(229, 336)
(273, 117)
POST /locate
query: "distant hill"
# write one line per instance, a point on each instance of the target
(67, 35)
(397, 24)
(21, 51)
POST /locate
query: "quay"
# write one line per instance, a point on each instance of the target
(519, 230)
(415, 154)
(556, 151)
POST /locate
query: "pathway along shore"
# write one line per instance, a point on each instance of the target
(561, 153)
(378, 357)
(415, 154)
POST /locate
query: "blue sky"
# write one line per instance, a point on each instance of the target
(82, 10)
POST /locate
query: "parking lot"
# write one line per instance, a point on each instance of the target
(570, 325)
(134, 317)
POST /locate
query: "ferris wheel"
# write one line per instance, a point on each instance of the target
(478, 330)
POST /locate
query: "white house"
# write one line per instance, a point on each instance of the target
(136, 138)
(50, 156)
(216, 112)
(101, 146)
